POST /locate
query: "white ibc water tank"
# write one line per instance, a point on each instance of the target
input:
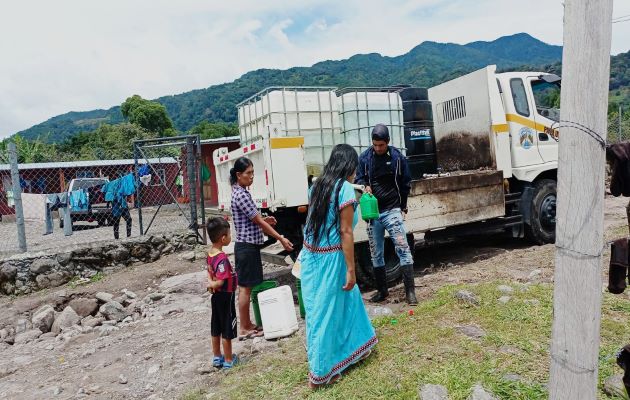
(277, 312)
(361, 109)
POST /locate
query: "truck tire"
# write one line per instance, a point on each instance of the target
(541, 228)
(364, 269)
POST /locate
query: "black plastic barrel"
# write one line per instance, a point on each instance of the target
(419, 131)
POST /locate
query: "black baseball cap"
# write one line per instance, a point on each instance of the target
(380, 132)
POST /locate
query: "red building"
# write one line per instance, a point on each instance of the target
(210, 187)
(54, 178)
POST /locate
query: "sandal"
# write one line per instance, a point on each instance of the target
(217, 362)
(332, 380)
(235, 362)
(250, 335)
(364, 356)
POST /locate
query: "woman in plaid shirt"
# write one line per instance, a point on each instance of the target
(250, 226)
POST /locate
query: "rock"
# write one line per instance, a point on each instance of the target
(122, 379)
(504, 299)
(613, 386)
(49, 347)
(479, 393)
(106, 330)
(43, 265)
(109, 323)
(156, 296)
(154, 369)
(505, 289)
(128, 319)
(118, 254)
(65, 319)
(7, 370)
(471, 331)
(43, 318)
(130, 294)
(7, 273)
(167, 249)
(123, 300)
(188, 256)
(48, 335)
(84, 307)
(113, 311)
(193, 283)
(53, 279)
(139, 251)
(512, 378)
(534, 274)
(433, 392)
(27, 336)
(532, 302)
(91, 321)
(205, 370)
(88, 353)
(104, 297)
(56, 390)
(467, 297)
(22, 325)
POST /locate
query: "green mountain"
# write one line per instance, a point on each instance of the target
(425, 65)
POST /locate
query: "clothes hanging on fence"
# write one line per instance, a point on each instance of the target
(78, 200)
(618, 270)
(58, 201)
(117, 191)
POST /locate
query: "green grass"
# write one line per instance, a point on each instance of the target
(426, 348)
(78, 281)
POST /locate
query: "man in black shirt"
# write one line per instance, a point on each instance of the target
(383, 170)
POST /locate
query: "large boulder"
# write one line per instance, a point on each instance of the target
(193, 283)
(65, 319)
(43, 318)
(53, 279)
(114, 311)
(43, 265)
(7, 273)
(104, 297)
(84, 307)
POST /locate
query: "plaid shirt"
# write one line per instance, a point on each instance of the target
(243, 211)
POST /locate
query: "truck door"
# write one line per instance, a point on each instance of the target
(546, 98)
(520, 117)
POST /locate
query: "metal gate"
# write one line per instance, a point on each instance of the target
(168, 173)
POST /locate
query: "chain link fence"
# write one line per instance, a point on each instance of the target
(66, 204)
(619, 125)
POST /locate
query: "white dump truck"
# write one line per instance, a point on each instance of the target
(482, 151)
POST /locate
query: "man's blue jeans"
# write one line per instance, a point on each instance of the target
(392, 222)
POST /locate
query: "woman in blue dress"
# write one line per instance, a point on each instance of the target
(338, 331)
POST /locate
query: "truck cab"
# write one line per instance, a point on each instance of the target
(96, 209)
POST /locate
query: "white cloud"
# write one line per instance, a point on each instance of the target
(72, 55)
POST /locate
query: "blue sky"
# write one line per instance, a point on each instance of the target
(76, 55)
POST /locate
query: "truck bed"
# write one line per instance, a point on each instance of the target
(461, 198)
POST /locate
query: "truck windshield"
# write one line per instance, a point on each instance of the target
(547, 97)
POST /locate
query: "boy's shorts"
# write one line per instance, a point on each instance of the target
(223, 322)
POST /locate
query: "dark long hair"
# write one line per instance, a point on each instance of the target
(240, 165)
(343, 162)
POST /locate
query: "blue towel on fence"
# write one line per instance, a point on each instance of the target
(78, 200)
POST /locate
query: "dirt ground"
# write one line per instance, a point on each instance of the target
(168, 353)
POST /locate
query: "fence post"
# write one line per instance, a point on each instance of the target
(137, 178)
(17, 196)
(202, 200)
(192, 184)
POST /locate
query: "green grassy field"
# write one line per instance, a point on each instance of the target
(428, 348)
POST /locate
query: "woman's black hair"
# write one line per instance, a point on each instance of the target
(343, 163)
(240, 165)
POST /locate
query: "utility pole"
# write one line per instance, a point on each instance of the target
(579, 231)
(17, 196)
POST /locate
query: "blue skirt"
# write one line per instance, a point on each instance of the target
(338, 330)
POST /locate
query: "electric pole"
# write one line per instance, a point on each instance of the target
(579, 230)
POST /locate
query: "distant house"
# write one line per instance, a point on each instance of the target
(54, 177)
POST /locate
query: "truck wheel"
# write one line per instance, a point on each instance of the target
(542, 226)
(364, 269)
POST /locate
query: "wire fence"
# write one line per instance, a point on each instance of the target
(619, 125)
(67, 204)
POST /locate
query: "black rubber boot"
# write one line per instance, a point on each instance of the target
(410, 285)
(381, 285)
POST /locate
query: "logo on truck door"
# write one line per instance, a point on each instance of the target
(526, 138)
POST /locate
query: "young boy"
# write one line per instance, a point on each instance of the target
(222, 283)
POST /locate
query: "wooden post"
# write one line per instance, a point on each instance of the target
(579, 232)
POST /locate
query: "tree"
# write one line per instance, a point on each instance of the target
(209, 130)
(147, 114)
